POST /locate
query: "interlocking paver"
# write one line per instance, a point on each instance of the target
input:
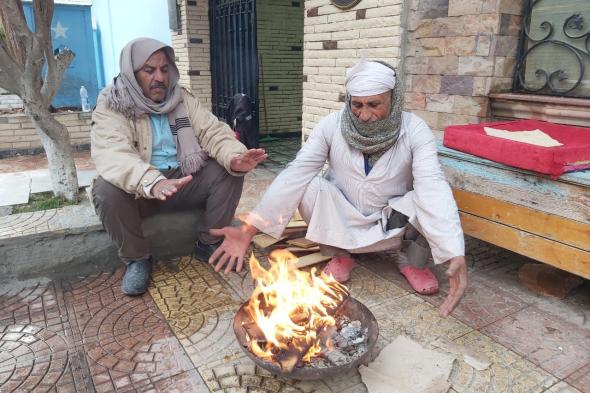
(128, 343)
(84, 335)
(508, 371)
(554, 344)
(580, 379)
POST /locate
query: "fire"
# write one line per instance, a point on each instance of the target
(290, 309)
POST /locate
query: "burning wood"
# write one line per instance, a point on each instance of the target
(293, 314)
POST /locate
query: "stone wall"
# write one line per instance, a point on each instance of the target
(458, 52)
(191, 45)
(335, 39)
(17, 133)
(279, 35)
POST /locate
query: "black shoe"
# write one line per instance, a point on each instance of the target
(137, 277)
(204, 251)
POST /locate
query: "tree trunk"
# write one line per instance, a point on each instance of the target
(62, 168)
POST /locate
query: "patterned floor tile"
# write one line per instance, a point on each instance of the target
(413, 317)
(127, 341)
(562, 387)
(32, 303)
(580, 379)
(33, 358)
(184, 289)
(555, 345)
(242, 374)
(372, 290)
(481, 304)
(508, 371)
(383, 265)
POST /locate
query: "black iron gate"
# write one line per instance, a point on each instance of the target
(233, 52)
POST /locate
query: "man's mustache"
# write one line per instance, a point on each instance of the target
(157, 85)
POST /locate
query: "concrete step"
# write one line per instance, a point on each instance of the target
(71, 240)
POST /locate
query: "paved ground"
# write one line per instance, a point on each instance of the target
(81, 334)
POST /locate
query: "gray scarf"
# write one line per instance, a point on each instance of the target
(374, 139)
(127, 97)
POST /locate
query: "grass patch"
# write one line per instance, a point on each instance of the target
(43, 201)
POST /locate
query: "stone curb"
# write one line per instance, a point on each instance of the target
(72, 241)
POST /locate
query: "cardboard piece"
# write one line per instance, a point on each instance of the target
(405, 367)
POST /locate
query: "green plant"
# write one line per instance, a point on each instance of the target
(42, 201)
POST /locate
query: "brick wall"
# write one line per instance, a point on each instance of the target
(280, 49)
(17, 133)
(458, 52)
(191, 45)
(334, 40)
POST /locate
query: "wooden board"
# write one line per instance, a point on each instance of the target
(567, 197)
(562, 256)
(302, 242)
(297, 224)
(262, 240)
(294, 249)
(311, 259)
(570, 232)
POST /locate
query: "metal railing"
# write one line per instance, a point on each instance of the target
(563, 73)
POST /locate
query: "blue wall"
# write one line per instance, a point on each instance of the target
(71, 27)
(117, 22)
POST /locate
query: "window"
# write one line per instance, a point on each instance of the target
(554, 53)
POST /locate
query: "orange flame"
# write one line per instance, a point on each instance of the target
(290, 306)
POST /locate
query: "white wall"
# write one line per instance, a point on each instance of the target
(122, 21)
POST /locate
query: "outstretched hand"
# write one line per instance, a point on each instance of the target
(165, 188)
(457, 274)
(235, 244)
(248, 160)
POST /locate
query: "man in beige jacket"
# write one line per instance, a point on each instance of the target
(157, 149)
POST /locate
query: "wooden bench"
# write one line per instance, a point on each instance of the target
(525, 212)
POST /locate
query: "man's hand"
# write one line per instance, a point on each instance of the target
(457, 274)
(231, 252)
(248, 160)
(165, 188)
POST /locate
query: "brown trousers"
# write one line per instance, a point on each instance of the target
(212, 189)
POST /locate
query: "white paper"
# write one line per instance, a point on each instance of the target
(534, 137)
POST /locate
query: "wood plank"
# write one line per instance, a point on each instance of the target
(573, 260)
(311, 259)
(300, 249)
(262, 240)
(557, 198)
(573, 233)
(302, 242)
(297, 224)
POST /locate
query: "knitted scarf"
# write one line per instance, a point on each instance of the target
(374, 139)
(126, 97)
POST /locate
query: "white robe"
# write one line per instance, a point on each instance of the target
(353, 214)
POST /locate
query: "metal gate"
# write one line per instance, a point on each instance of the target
(233, 52)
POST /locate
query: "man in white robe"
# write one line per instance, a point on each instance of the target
(384, 190)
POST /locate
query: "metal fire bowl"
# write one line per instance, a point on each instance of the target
(352, 308)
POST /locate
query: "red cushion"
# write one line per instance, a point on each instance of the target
(554, 161)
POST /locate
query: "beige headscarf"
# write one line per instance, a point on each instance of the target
(126, 96)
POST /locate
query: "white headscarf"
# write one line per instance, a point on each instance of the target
(368, 78)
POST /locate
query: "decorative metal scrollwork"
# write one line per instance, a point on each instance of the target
(552, 82)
